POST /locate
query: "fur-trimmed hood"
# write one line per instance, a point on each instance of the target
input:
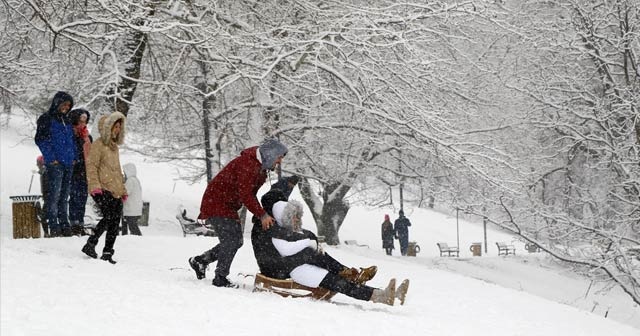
(106, 123)
(284, 212)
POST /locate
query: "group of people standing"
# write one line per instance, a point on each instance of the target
(74, 167)
(281, 247)
(399, 230)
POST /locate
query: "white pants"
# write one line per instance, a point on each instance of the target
(308, 275)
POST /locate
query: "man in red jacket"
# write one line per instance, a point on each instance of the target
(235, 185)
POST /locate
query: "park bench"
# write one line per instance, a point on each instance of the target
(450, 251)
(191, 226)
(289, 288)
(504, 249)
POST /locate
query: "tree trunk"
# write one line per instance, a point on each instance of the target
(135, 46)
(328, 212)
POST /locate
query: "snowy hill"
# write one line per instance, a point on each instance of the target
(48, 287)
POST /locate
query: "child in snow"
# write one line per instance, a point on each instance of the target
(132, 208)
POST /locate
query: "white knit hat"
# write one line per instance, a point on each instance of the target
(278, 209)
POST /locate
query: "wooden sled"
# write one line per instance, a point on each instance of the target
(288, 288)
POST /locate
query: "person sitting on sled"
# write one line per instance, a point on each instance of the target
(269, 260)
(303, 260)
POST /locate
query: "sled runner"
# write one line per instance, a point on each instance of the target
(288, 288)
(190, 226)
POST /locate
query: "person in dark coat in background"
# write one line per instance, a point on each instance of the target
(54, 137)
(401, 228)
(79, 192)
(387, 235)
(235, 185)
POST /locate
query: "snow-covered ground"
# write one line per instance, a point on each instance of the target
(48, 287)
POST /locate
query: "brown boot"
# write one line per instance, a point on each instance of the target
(359, 276)
(387, 295)
(366, 274)
(401, 291)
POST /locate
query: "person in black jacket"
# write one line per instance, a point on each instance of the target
(273, 264)
(401, 228)
(323, 271)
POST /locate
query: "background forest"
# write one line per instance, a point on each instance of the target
(523, 112)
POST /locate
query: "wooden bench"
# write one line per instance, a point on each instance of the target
(450, 251)
(504, 249)
(190, 226)
(289, 288)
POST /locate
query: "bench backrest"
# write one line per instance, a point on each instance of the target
(501, 245)
(443, 246)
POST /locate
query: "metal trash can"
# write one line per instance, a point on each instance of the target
(476, 249)
(532, 248)
(413, 249)
(144, 219)
(26, 223)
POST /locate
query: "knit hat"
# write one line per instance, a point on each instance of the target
(386, 217)
(270, 150)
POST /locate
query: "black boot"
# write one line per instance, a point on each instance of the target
(90, 250)
(107, 256)
(198, 266)
(219, 281)
(66, 232)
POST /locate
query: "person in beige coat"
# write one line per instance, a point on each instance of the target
(106, 183)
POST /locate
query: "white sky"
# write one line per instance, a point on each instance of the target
(48, 287)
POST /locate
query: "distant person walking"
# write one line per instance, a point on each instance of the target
(78, 192)
(132, 208)
(54, 137)
(106, 183)
(401, 228)
(387, 235)
(235, 185)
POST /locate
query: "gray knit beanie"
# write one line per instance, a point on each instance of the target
(270, 150)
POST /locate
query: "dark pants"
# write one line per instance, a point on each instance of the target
(404, 244)
(78, 199)
(338, 284)
(111, 209)
(131, 222)
(388, 250)
(327, 262)
(230, 235)
(58, 184)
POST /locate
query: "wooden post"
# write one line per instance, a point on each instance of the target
(484, 225)
(457, 229)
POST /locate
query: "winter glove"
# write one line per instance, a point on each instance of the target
(96, 191)
(124, 198)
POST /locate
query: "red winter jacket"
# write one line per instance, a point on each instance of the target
(236, 184)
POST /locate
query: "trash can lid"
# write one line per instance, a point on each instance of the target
(25, 198)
